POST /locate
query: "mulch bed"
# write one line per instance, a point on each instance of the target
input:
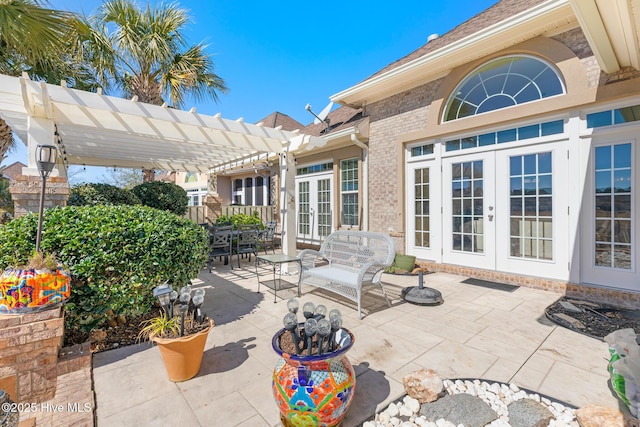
(110, 337)
(594, 320)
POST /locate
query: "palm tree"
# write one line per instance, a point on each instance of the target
(143, 53)
(32, 40)
(35, 39)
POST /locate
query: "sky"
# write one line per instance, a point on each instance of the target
(281, 55)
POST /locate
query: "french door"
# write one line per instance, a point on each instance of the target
(315, 207)
(468, 206)
(507, 210)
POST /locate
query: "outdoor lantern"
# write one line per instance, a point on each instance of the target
(163, 293)
(46, 160)
(293, 305)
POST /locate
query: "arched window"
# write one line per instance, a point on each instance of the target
(502, 83)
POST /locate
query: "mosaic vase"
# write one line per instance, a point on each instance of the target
(28, 290)
(314, 390)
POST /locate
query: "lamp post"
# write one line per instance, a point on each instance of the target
(46, 160)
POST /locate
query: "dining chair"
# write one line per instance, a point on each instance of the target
(220, 244)
(267, 237)
(246, 242)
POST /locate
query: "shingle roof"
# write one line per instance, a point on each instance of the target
(339, 119)
(276, 119)
(496, 13)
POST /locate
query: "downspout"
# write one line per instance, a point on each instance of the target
(365, 180)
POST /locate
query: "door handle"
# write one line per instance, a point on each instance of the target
(490, 217)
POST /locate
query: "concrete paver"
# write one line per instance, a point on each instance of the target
(477, 332)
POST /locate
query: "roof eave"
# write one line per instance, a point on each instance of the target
(538, 20)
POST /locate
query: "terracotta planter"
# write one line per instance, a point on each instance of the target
(182, 356)
(314, 390)
(22, 291)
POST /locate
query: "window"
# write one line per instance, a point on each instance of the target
(613, 203)
(508, 135)
(421, 186)
(322, 167)
(196, 196)
(237, 192)
(531, 206)
(349, 192)
(248, 191)
(613, 117)
(422, 150)
(503, 83)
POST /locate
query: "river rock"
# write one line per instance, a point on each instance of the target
(423, 385)
(529, 413)
(458, 409)
(599, 416)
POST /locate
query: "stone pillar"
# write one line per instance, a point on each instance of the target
(29, 346)
(25, 192)
(213, 203)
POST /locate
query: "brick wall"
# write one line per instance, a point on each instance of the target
(614, 297)
(391, 117)
(29, 345)
(25, 192)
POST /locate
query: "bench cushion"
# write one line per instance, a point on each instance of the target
(340, 275)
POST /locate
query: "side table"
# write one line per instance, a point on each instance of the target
(276, 261)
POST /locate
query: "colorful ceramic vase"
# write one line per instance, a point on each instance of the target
(314, 390)
(30, 290)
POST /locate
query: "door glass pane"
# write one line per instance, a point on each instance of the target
(421, 186)
(467, 186)
(613, 224)
(303, 208)
(532, 206)
(324, 207)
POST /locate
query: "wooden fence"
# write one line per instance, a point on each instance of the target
(198, 214)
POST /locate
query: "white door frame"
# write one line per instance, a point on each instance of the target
(599, 275)
(558, 266)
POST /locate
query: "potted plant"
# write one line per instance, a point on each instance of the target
(313, 382)
(180, 331)
(37, 285)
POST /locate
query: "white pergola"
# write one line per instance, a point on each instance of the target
(97, 130)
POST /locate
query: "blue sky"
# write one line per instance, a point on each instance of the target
(281, 55)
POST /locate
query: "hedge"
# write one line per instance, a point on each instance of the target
(166, 196)
(116, 255)
(101, 194)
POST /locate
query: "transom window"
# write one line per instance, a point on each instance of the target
(502, 83)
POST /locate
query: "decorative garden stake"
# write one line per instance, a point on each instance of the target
(313, 388)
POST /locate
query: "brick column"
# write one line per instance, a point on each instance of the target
(29, 345)
(25, 192)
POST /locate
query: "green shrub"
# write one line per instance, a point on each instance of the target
(241, 218)
(116, 255)
(165, 196)
(101, 194)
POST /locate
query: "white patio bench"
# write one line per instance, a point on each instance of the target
(348, 262)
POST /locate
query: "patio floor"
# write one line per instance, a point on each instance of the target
(478, 332)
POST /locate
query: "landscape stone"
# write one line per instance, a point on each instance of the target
(458, 409)
(599, 416)
(570, 307)
(574, 322)
(424, 385)
(528, 413)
